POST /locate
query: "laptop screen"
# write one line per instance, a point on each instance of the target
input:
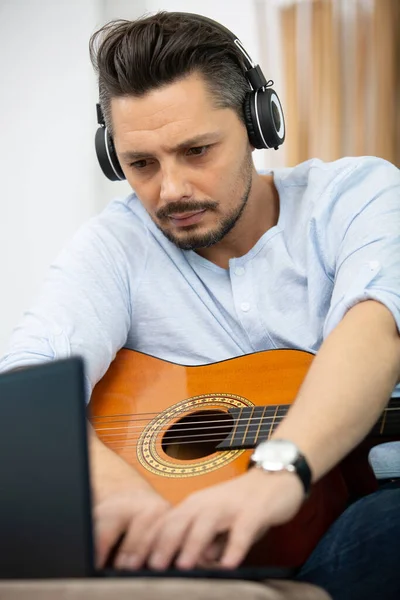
(45, 516)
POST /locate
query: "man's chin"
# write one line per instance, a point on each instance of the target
(191, 241)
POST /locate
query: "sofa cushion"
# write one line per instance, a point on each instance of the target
(157, 589)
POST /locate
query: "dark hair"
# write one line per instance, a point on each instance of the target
(133, 57)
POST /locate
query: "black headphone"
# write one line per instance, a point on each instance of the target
(262, 109)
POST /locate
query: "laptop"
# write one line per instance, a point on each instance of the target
(45, 500)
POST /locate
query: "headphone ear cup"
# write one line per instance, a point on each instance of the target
(264, 119)
(107, 156)
(251, 121)
(270, 117)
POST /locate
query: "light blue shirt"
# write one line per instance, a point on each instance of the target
(121, 283)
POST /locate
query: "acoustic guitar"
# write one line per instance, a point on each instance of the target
(186, 428)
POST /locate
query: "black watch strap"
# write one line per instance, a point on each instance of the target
(304, 472)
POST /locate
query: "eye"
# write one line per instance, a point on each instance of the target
(198, 151)
(139, 164)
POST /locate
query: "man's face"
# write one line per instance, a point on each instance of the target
(189, 163)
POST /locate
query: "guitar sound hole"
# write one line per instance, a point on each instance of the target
(197, 435)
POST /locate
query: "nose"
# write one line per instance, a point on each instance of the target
(174, 184)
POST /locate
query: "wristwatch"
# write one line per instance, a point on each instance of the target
(281, 455)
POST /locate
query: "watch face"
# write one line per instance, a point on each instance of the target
(276, 454)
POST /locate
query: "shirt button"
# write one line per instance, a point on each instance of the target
(239, 271)
(245, 306)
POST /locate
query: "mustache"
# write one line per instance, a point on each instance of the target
(176, 208)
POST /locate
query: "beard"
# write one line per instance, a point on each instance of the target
(190, 240)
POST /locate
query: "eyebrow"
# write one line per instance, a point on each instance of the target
(190, 143)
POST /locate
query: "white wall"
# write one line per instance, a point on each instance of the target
(50, 182)
(46, 163)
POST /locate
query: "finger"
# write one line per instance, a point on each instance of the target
(169, 539)
(137, 542)
(198, 537)
(108, 530)
(214, 551)
(239, 541)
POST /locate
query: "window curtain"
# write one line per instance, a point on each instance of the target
(340, 75)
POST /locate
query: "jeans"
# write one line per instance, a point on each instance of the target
(359, 557)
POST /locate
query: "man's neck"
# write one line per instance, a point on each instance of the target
(260, 214)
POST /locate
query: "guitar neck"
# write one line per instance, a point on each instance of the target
(388, 424)
(251, 425)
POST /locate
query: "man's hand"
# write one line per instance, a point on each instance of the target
(237, 512)
(132, 514)
(125, 505)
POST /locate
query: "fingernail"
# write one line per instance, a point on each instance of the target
(156, 561)
(184, 563)
(122, 561)
(134, 561)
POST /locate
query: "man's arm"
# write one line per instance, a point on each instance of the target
(347, 387)
(109, 472)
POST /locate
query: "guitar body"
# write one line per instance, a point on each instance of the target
(169, 422)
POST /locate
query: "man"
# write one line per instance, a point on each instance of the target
(209, 259)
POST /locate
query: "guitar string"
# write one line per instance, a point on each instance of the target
(195, 434)
(171, 441)
(191, 429)
(215, 412)
(230, 422)
(135, 441)
(246, 419)
(393, 401)
(179, 437)
(177, 444)
(110, 445)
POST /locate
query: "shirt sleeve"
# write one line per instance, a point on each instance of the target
(362, 239)
(84, 307)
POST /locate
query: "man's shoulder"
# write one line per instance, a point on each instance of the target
(117, 232)
(347, 170)
(122, 210)
(319, 188)
(122, 219)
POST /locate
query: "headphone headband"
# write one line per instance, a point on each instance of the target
(253, 72)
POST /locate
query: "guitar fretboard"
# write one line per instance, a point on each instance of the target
(252, 425)
(388, 423)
